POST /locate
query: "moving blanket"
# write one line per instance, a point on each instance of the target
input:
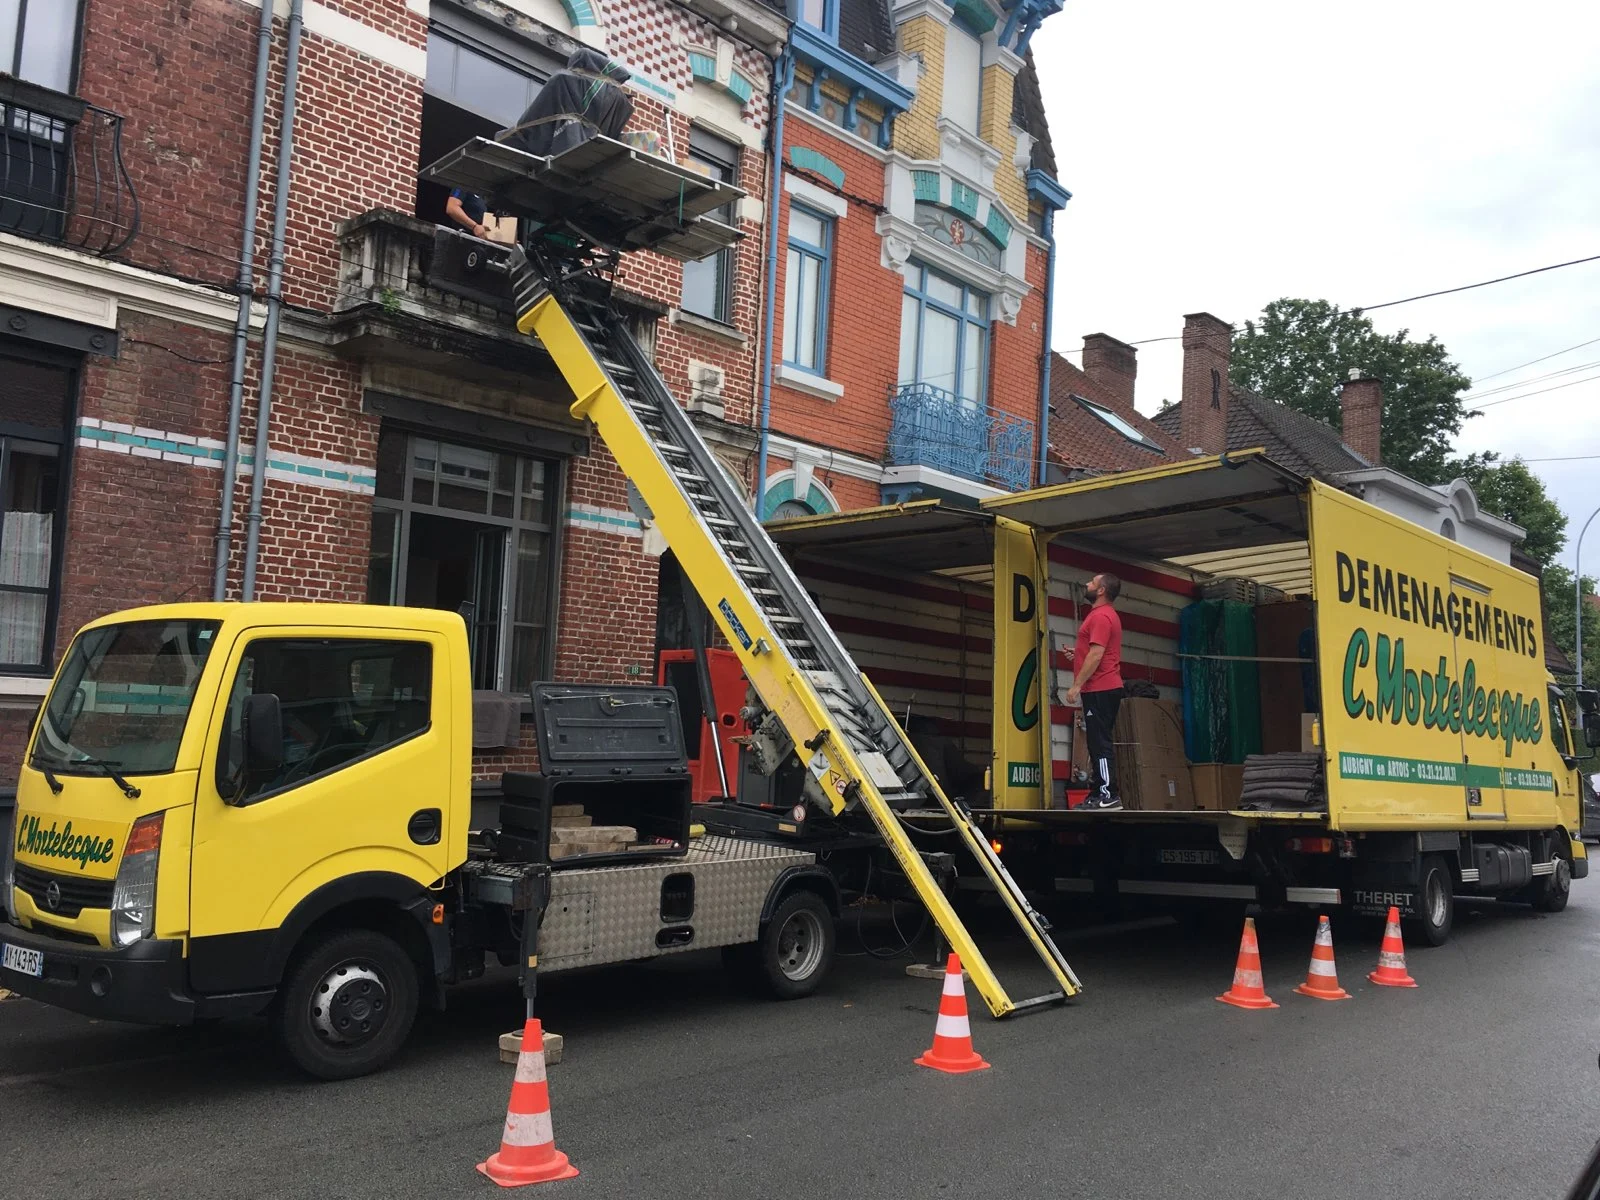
(1221, 694)
(579, 101)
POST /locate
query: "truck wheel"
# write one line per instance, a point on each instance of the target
(347, 1004)
(796, 946)
(1550, 892)
(1436, 904)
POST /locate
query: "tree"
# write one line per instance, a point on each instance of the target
(1300, 351)
(1511, 491)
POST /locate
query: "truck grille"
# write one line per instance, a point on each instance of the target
(76, 894)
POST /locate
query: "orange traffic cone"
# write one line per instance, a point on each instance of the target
(1247, 990)
(952, 1036)
(1391, 970)
(1322, 981)
(528, 1151)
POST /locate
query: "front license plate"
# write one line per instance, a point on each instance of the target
(27, 962)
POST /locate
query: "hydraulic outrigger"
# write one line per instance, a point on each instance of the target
(579, 211)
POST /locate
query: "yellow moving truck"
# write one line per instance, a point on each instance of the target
(1444, 749)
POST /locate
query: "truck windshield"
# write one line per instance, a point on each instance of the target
(121, 698)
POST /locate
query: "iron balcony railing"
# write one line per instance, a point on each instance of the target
(932, 427)
(62, 176)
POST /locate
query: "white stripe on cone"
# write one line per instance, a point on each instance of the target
(1388, 958)
(530, 1067)
(1321, 966)
(951, 1027)
(528, 1129)
(953, 985)
(1245, 978)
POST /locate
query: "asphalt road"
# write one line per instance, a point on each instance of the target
(1483, 1081)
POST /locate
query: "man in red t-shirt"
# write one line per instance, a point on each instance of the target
(1097, 686)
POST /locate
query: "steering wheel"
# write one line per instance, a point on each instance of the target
(308, 765)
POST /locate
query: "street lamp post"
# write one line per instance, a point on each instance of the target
(1577, 589)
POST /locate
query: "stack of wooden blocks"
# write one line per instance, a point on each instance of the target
(573, 831)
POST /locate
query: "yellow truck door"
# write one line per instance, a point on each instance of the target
(364, 787)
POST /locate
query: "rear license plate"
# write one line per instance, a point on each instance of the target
(26, 962)
(1187, 857)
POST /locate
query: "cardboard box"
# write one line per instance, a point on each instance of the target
(1154, 728)
(1217, 786)
(500, 229)
(1157, 789)
(1309, 733)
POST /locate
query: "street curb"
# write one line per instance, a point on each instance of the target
(511, 1046)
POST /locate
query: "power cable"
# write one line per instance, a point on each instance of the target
(1538, 392)
(1532, 362)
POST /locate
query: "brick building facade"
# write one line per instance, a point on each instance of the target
(914, 256)
(419, 451)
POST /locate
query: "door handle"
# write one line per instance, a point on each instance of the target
(425, 826)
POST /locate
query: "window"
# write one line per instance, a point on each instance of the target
(471, 530)
(708, 284)
(944, 334)
(1447, 529)
(1560, 734)
(1120, 424)
(34, 407)
(343, 700)
(123, 698)
(963, 72)
(39, 41)
(805, 290)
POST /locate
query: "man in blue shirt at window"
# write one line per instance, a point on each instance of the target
(467, 210)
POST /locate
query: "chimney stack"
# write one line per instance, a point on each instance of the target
(1203, 420)
(1111, 366)
(1361, 402)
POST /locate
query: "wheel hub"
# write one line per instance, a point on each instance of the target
(350, 1004)
(799, 945)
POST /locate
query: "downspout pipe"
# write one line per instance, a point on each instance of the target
(783, 80)
(269, 341)
(1049, 325)
(246, 287)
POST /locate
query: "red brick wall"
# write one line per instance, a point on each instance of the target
(1015, 360)
(864, 321)
(1207, 344)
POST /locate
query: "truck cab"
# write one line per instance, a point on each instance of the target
(221, 800)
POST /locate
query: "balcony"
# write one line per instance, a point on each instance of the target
(930, 427)
(62, 176)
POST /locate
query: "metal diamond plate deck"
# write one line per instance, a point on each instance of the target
(613, 914)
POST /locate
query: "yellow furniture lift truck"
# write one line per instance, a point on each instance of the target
(235, 809)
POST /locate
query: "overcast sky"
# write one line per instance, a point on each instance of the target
(1222, 155)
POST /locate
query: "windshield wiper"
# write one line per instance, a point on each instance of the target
(55, 784)
(109, 766)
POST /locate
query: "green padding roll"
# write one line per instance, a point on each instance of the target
(1221, 698)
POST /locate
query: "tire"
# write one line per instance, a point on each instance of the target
(347, 1003)
(795, 951)
(1551, 892)
(1437, 901)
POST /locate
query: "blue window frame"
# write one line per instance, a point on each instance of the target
(805, 290)
(944, 334)
(821, 15)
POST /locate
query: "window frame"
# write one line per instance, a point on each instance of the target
(918, 291)
(1114, 421)
(716, 152)
(830, 18)
(62, 440)
(75, 54)
(226, 732)
(823, 254)
(405, 508)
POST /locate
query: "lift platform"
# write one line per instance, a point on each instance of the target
(818, 703)
(603, 192)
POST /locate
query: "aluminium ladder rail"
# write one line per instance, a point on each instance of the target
(851, 742)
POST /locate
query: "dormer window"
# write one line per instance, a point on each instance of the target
(821, 15)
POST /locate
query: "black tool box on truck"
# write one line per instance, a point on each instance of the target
(616, 751)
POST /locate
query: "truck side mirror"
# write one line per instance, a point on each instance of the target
(1589, 714)
(263, 733)
(1591, 733)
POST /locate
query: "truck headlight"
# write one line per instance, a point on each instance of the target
(133, 897)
